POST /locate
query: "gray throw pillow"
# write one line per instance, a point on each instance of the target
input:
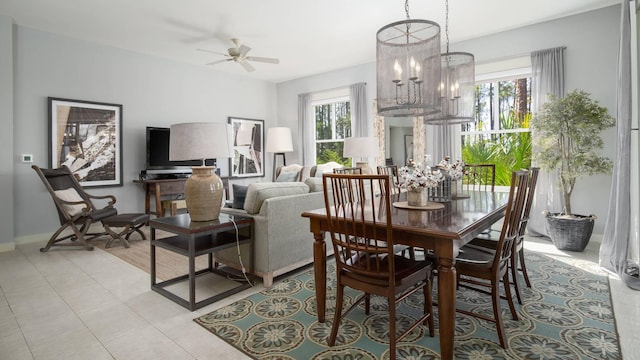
(288, 176)
(239, 194)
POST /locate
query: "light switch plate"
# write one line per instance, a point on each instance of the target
(26, 158)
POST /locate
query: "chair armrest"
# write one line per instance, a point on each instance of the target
(102, 197)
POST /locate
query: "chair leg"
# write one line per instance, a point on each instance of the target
(523, 267)
(497, 313)
(53, 239)
(507, 290)
(391, 300)
(337, 315)
(513, 265)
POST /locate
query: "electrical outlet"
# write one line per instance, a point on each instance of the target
(26, 158)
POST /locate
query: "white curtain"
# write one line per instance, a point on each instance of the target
(357, 97)
(615, 240)
(548, 78)
(443, 140)
(306, 131)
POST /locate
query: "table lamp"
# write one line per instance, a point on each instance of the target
(199, 141)
(362, 147)
(279, 142)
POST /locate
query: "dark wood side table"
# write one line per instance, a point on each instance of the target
(195, 238)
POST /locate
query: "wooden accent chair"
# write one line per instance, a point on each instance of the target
(518, 260)
(348, 170)
(392, 172)
(479, 177)
(362, 239)
(483, 268)
(75, 208)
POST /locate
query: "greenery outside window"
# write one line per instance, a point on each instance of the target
(333, 125)
(500, 133)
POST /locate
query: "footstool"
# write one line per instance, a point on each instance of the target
(129, 222)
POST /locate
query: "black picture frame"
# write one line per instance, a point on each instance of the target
(247, 159)
(87, 137)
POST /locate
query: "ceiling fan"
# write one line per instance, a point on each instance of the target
(239, 55)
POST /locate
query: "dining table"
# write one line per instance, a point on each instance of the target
(442, 231)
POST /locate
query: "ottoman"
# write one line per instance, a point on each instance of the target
(129, 223)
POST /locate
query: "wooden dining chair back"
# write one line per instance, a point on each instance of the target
(359, 221)
(479, 177)
(482, 268)
(392, 172)
(348, 170)
(75, 207)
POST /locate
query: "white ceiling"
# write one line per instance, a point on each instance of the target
(308, 36)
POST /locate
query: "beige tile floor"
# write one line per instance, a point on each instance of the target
(70, 304)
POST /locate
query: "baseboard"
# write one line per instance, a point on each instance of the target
(5, 247)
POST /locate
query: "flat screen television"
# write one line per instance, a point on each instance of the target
(157, 162)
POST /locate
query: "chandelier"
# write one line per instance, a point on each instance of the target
(456, 89)
(408, 67)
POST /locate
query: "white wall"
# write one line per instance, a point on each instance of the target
(153, 91)
(591, 62)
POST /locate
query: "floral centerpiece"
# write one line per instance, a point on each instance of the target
(455, 170)
(416, 178)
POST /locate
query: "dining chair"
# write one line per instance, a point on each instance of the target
(362, 237)
(478, 177)
(392, 172)
(518, 262)
(348, 170)
(481, 268)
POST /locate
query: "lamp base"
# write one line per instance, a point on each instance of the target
(203, 193)
(366, 170)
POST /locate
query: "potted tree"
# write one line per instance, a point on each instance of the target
(567, 138)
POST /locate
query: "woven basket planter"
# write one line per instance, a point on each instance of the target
(569, 234)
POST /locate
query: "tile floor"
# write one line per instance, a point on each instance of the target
(70, 304)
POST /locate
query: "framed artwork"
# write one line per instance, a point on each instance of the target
(247, 159)
(408, 148)
(87, 137)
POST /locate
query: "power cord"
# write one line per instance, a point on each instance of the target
(244, 270)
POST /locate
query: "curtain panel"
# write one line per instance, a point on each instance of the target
(548, 78)
(306, 130)
(357, 97)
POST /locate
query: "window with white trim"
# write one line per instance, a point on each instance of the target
(500, 133)
(332, 125)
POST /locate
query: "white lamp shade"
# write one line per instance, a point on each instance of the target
(195, 141)
(279, 140)
(360, 147)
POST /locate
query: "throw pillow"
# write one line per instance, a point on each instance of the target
(239, 194)
(70, 194)
(287, 176)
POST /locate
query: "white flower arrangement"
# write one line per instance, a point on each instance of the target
(455, 170)
(416, 175)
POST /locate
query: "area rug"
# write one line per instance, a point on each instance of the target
(567, 314)
(168, 264)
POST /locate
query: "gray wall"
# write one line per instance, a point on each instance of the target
(152, 91)
(6, 136)
(591, 62)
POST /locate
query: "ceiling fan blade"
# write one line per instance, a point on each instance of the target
(218, 61)
(263, 59)
(213, 52)
(243, 50)
(247, 66)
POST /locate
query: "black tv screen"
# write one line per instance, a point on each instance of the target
(158, 154)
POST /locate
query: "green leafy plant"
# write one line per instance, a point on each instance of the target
(567, 138)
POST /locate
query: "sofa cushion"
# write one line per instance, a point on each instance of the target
(288, 176)
(314, 184)
(239, 196)
(257, 193)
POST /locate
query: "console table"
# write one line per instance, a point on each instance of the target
(195, 238)
(163, 187)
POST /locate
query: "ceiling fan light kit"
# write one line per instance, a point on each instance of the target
(239, 55)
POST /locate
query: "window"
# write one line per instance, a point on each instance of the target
(500, 133)
(333, 125)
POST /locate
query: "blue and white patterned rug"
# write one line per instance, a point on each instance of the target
(567, 314)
